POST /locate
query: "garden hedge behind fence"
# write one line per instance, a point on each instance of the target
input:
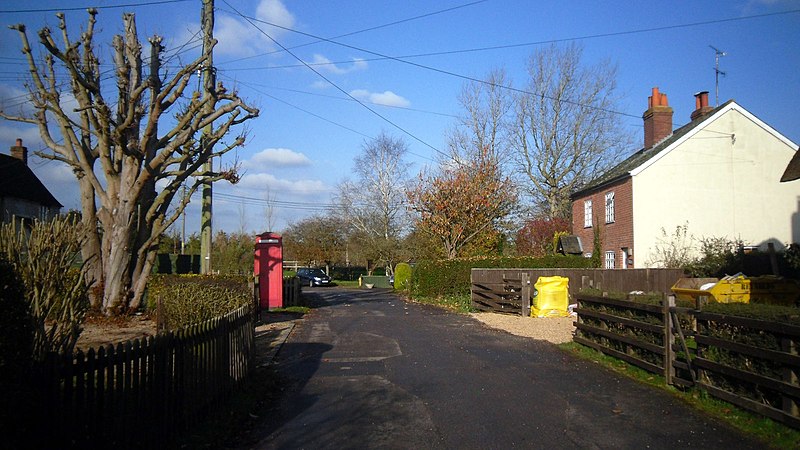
(452, 277)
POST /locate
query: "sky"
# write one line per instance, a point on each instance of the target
(398, 67)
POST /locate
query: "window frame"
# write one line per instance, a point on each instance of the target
(610, 207)
(587, 213)
(610, 259)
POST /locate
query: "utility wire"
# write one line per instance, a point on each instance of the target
(84, 8)
(377, 27)
(329, 81)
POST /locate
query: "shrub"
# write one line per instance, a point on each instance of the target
(44, 257)
(192, 299)
(452, 277)
(402, 276)
(16, 325)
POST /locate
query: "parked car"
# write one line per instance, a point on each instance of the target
(313, 277)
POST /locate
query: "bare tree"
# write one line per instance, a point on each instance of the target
(269, 209)
(482, 127)
(565, 131)
(373, 204)
(148, 132)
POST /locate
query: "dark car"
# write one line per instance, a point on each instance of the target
(313, 277)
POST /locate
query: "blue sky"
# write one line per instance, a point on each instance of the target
(309, 131)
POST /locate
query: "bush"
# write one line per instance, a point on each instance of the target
(402, 276)
(44, 256)
(16, 325)
(452, 277)
(188, 300)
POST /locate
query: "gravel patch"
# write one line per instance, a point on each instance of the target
(552, 329)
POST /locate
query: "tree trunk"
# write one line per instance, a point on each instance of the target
(90, 249)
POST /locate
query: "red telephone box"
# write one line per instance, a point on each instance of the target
(269, 269)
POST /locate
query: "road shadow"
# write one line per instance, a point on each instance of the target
(292, 368)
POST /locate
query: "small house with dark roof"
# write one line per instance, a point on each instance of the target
(719, 175)
(22, 194)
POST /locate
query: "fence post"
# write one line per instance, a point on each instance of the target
(525, 302)
(789, 406)
(669, 338)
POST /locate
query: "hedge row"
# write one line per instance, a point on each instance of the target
(191, 299)
(452, 277)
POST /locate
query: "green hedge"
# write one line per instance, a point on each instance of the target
(191, 299)
(451, 277)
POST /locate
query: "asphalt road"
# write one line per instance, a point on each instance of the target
(367, 370)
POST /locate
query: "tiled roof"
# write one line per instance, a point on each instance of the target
(17, 180)
(623, 169)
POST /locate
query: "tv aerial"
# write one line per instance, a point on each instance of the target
(717, 72)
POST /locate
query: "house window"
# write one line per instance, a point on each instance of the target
(610, 207)
(610, 260)
(587, 214)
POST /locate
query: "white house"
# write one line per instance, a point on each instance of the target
(720, 174)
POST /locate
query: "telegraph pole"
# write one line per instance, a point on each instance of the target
(209, 82)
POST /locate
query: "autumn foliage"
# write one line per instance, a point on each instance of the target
(536, 237)
(462, 202)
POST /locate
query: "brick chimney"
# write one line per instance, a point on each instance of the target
(701, 107)
(20, 152)
(657, 119)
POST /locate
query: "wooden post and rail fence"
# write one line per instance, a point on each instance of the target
(748, 362)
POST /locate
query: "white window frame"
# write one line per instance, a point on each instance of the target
(610, 259)
(610, 207)
(587, 213)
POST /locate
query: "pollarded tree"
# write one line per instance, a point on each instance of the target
(462, 202)
(565, 131)
(148, 132)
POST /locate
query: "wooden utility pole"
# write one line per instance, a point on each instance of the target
(209, 80)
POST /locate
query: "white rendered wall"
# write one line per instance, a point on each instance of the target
(723, 180)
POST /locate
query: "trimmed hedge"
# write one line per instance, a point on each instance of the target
(452, 277)
(402, 276)
(190, 299)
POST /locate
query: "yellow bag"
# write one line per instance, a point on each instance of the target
(551, 297)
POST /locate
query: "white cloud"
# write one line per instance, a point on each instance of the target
(386, 98)
(276, 157)
(236, 37)
(280, 187)
(274, 11)
(327, 65)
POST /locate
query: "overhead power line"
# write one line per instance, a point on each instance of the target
(84, 8)
(329, 81)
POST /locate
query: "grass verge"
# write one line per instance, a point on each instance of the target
(770, 432)
(458, 303)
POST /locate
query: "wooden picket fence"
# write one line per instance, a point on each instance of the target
(751, 363)
(144, 391)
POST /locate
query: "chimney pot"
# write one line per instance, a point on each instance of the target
(657, 118)
(20, 152)
(701, 105)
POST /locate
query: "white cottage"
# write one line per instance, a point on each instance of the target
(720, 174)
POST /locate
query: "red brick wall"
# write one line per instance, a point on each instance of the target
(613, 236)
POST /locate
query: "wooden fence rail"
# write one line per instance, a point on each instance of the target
(751, 363)
(141, 392)
(495, 290)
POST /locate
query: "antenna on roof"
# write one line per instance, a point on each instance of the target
(717, 72)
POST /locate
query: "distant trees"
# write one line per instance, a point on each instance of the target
(320, 239)
(373, 203)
